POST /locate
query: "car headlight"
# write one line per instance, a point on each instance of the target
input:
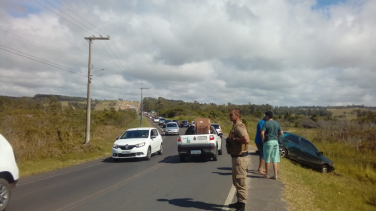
(140, 144)
(115, 146)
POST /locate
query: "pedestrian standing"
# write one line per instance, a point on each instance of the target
(271, 132)
(237, 147)
(259, 143)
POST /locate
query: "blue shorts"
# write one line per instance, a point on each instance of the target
(271, 151)
(260, 147)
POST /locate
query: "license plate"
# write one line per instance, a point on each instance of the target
(126, 152)
(195, 152)
(201, 137)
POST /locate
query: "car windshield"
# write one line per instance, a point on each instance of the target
(135, 134)
(216, 126)
(171, 125)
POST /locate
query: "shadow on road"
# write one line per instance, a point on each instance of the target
(251, 173)
(189, 203)
(110, 160)
(174, 159)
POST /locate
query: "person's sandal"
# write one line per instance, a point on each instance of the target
(265, 176)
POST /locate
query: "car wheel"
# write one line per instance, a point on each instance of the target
(148, 156)
(4, 193)
(283, 152)
(160, 150)
(324, 169)
(215, 155)
(182, 158)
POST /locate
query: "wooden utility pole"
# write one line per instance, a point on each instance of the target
(88, 109)
(141, 106)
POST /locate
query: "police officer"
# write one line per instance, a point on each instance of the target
(237, 146)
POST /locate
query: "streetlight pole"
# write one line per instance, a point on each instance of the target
(141, 106)
(88, 108)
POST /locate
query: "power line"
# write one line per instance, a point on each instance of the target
(41, 60)
(132, 74)
(96, 81)
(79, 16)
(36, 45)
(62, 17)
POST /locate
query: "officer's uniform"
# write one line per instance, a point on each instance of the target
(240, 160)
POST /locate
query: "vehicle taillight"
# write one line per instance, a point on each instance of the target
(220, 130)
(179, 139)
(211, 137)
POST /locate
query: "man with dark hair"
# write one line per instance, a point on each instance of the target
(237, 146)
(271, 132)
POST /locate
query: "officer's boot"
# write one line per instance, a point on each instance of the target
(241, 207)
(234, 205)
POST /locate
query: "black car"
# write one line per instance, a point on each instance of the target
(184, 123)
(303, 151)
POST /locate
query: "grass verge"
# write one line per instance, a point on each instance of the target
(351, 187)
(99, 147)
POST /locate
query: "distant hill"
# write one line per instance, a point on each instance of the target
(60, 97)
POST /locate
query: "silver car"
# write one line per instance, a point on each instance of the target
(172, 128)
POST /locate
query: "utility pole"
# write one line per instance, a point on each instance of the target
(141, 106)
(88, 109)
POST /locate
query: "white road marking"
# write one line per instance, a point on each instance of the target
(230, 196)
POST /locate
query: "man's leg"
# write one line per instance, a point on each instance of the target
(275, 168)
(261, 166)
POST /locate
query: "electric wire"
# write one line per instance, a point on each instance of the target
(21, 39)
(41, 61)
(108, 89)
(131, 74)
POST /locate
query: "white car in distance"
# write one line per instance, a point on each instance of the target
(137, 143)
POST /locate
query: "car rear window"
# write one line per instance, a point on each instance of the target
(171, 125)
(135, 134)
(184, 121)
(216, 126)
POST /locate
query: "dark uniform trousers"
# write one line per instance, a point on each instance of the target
(239, 177)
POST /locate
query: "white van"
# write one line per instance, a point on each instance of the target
(8, 172)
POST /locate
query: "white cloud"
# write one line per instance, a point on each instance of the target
(275, 52)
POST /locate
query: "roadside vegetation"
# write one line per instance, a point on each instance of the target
(347, 136)
(47, 134)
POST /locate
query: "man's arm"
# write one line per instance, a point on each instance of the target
(243, 140)
(263, 136)
(280, 134)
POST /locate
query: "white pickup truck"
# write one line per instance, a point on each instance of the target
(193, 144)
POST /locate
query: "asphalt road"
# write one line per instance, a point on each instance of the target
(163, 183)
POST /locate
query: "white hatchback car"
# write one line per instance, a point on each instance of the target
(8, 172)
(137, 143)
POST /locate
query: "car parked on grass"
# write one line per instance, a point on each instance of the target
(8, 172)
(303, 151)
(137, 143)
(172, 128)
(184, 123)
(217, 128)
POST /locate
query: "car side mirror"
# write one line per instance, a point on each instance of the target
(117, 138)
(153, 137)
(320, 153)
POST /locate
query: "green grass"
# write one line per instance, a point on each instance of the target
(99, 147)
(351, 187)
